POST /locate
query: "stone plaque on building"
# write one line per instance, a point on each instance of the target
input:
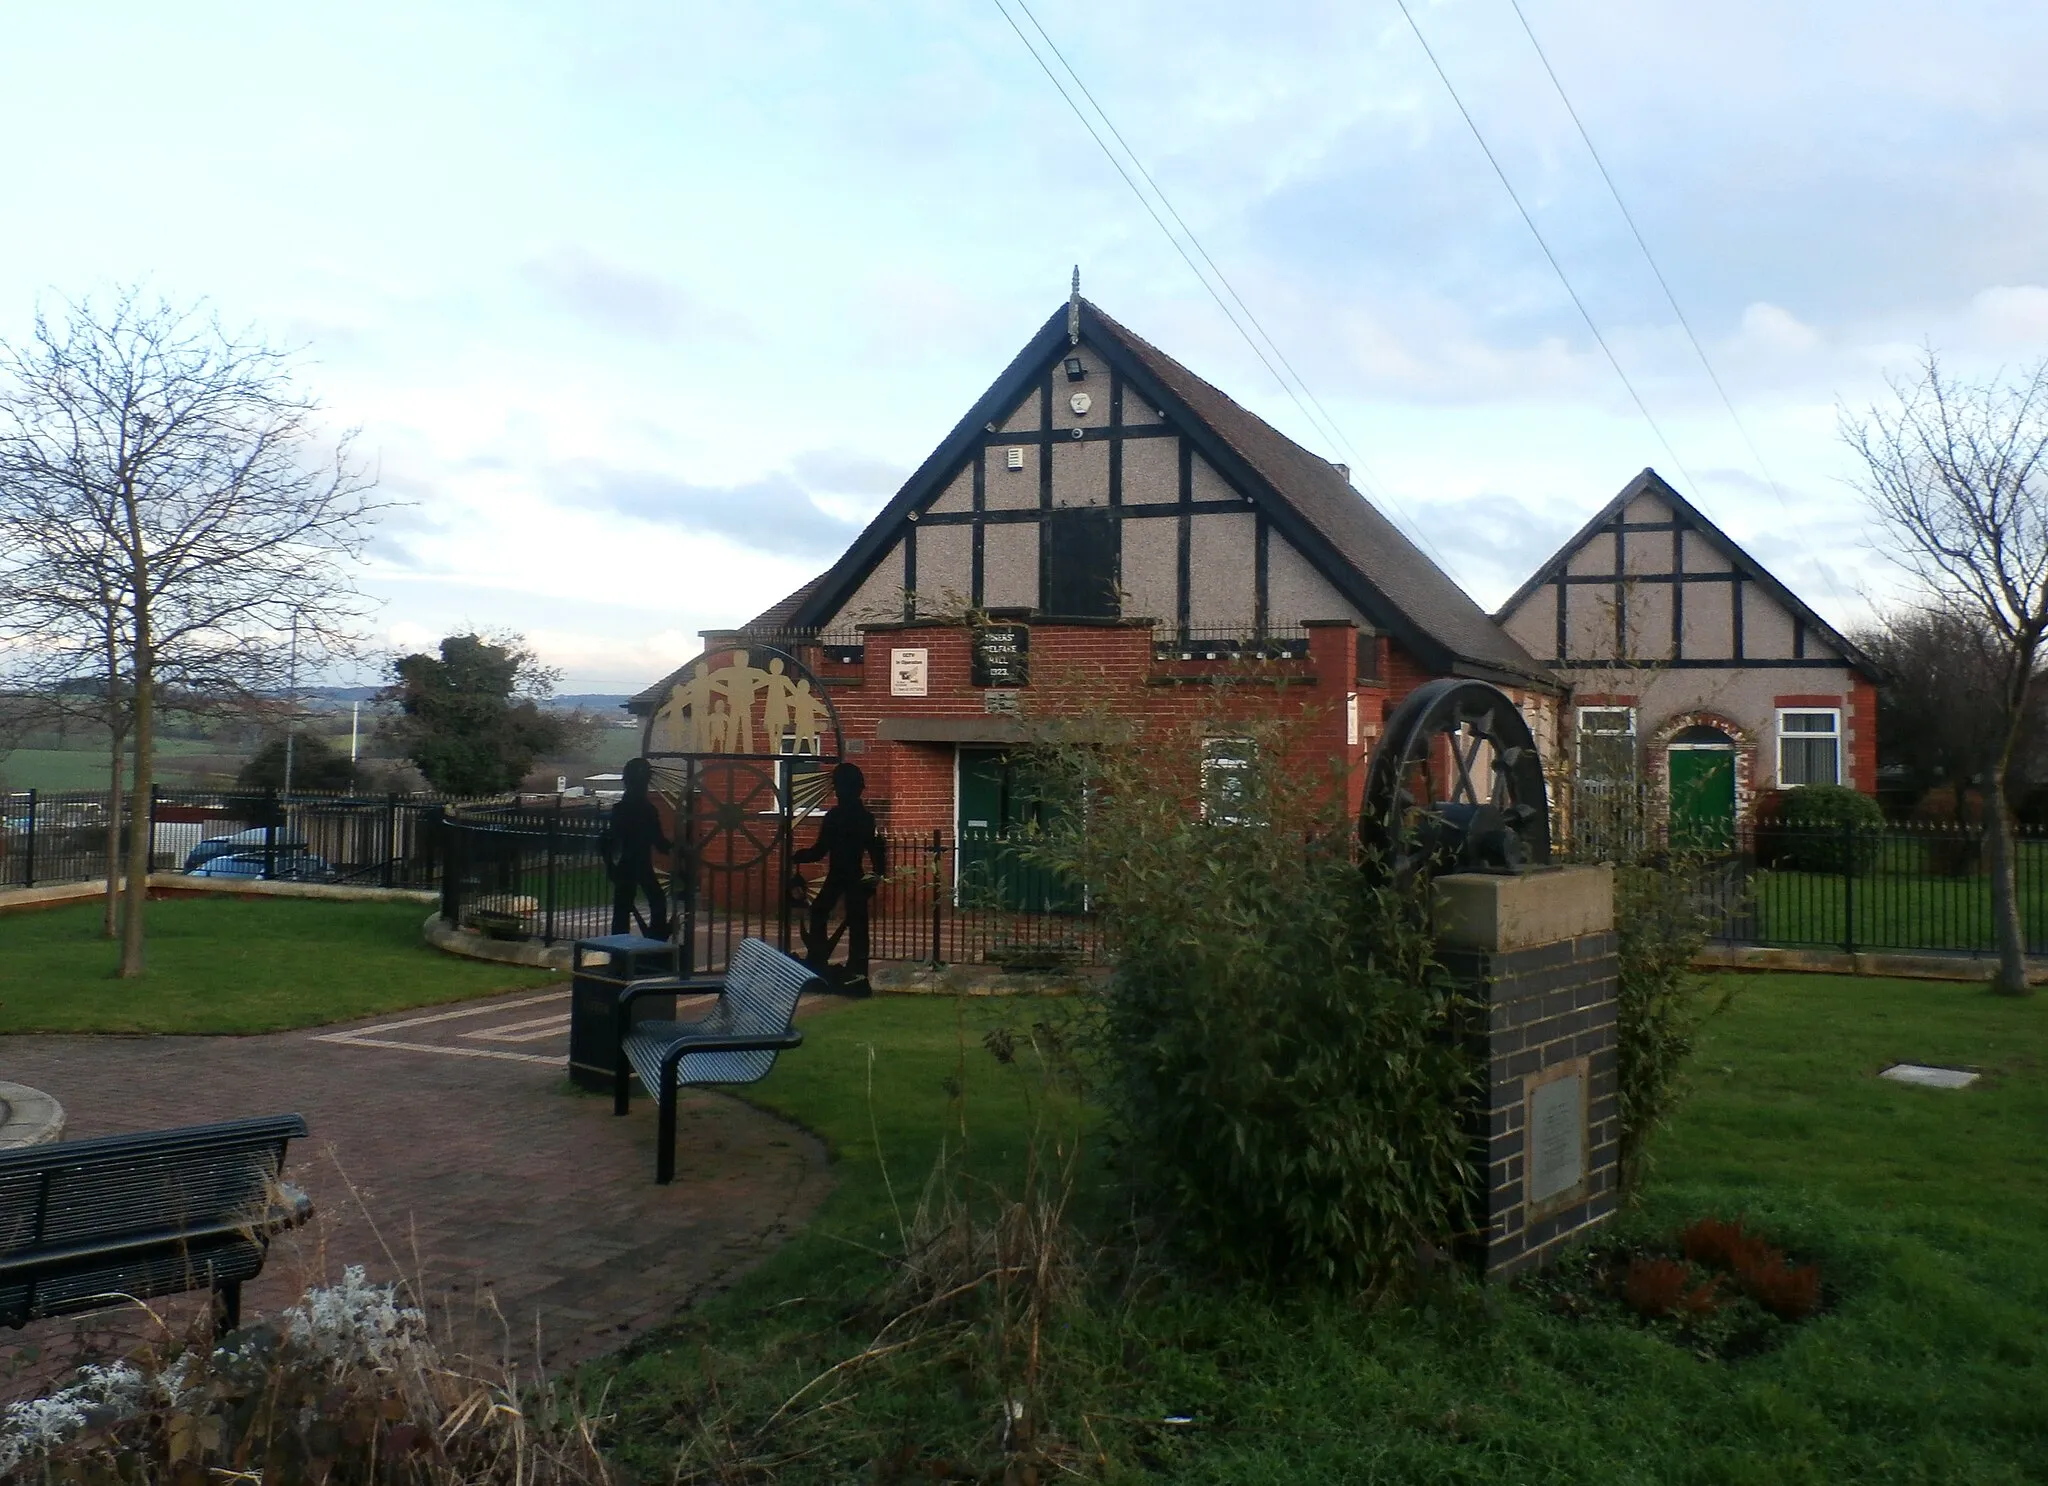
(1002, 655)
(1556, 1154)
(1001, 703)
(906, 672)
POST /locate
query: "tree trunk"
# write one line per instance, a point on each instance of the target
(2011, 979)
(139, 844)
(110, 927)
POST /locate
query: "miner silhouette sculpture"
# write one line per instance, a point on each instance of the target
(847, 835)
(630, 842)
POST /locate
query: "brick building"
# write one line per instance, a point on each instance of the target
(1104, 529)
(1691, 665)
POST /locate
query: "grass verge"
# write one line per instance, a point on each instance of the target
(232, 965)
(1926, 1210)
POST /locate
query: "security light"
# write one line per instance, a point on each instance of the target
(1075, 370)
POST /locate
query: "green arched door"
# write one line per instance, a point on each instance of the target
(1702, 773)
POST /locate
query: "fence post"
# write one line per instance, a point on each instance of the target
(149, 853)
(547, 933)
(269, 834)
(1848, 888)
(938, 924)
(28, 866)
(391, 839)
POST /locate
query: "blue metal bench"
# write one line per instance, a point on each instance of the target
(734, 1043)
(86, 1222)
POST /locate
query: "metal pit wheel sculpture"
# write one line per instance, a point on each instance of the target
(1456, 785)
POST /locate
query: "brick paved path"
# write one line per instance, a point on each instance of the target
(448, 1150)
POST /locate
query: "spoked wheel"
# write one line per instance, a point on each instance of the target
(736, 809)
(1455, 785)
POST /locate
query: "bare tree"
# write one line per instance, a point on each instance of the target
(1959, 472)
(1938, 710)
(168, 481)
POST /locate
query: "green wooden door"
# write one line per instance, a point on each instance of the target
(996, 801)
(1702, 798)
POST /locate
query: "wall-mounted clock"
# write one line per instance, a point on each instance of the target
(1080, 402)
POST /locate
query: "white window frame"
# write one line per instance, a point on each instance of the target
(1582, 732)
(1224, 755)
(1832, 735)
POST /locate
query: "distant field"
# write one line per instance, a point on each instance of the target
(86, 768)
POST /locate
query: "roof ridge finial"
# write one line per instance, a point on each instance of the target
(1074, 310)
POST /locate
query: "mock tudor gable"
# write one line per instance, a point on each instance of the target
(1098, 479)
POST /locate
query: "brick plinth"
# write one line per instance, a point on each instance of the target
(1548, 1147)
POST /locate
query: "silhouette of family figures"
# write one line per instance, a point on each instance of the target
(630, 841)
(713, 711)
(847, 835)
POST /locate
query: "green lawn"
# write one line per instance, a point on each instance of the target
(1927, 1210)
(232, 965)
(1892, 910)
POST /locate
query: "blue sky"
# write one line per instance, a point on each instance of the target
(644, 308)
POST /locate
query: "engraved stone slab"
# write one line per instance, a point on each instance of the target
(1556, 1155)
(1931, 1078)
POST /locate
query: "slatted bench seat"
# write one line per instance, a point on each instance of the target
(85, 1222)
(734, 1043)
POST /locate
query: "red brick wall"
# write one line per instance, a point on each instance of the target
(1077, 669)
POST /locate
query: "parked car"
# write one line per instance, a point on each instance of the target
(285, 866)
(220, 846)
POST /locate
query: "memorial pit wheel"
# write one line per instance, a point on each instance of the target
(1456, 784)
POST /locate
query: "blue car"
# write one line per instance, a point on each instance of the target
(286, 865)
(251, 839)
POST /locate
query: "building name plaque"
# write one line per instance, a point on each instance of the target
(1002, 655)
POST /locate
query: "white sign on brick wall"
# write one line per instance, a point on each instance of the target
(906, 672)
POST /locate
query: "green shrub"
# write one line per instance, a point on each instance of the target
(1823, 828)
(1661, 924)
(1277, 1054)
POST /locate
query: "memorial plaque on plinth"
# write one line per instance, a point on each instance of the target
(1556, 1154)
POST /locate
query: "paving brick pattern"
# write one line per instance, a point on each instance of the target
(477, 1176)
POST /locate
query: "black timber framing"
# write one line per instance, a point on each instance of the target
(1620, 588)
(910, 568)
(1030, 370)
(1117, 434)
(1139, 512)
(976, 562)
(1261, 547)
(1735, 607)
(1744, 570)
(1080, 436)
(1184, 553)
(1677, 590)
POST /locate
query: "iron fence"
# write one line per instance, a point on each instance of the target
(971, 899)
(53, 837)
(1906, 886)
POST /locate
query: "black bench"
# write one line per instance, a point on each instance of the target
(734, 1043)
(86, 1222)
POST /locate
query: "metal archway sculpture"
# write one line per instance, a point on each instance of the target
(1456, 784)
(742, 751)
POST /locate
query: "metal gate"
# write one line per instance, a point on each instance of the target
(742, 751)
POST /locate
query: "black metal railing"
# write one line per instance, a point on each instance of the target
(48, 837)
(1905, 886)
(1283, 642)
(974, 899)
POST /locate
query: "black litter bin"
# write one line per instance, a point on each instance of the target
(599, 967)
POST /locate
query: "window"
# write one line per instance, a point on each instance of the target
(1809, 747)
(1607, 744)
(1226, 763)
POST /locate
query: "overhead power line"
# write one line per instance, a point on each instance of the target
(1671, 299)
(1325, 426)
(1544, 243)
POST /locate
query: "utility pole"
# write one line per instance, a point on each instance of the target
(291, 724)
